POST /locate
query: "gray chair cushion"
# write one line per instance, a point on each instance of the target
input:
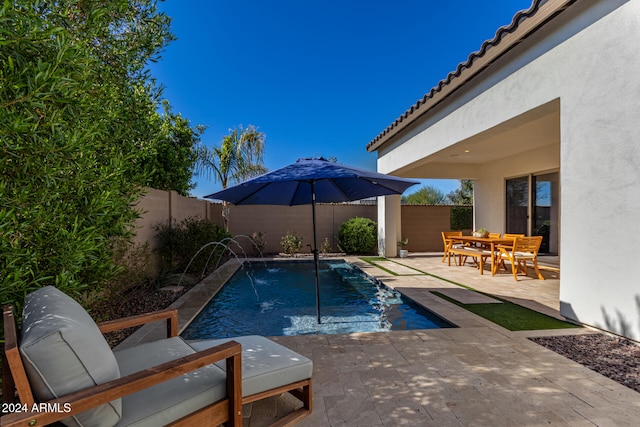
(173, 399)
(63, 351)
(265, 364)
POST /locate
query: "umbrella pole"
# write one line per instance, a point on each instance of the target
(315, 249)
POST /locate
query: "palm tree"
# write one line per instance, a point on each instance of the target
(238, 158)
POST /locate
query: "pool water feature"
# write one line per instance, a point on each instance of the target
(274, 298)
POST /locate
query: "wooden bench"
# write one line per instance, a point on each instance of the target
(480, 255)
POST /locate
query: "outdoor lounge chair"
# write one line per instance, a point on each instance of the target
(63, 370)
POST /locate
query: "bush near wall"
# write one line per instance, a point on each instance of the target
(357, 236)
(461, 217)
(180, 241)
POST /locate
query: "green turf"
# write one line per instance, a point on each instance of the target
(372, 260)
(512, 316)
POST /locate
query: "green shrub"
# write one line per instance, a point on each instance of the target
(179, 242)
(461, 217)
(77, 120)
(358, 236)
(291, 243)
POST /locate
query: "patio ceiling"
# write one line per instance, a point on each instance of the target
(532, 130)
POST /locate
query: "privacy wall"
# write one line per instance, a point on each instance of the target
(422, 225)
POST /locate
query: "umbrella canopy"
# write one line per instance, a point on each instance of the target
(333, 182)
(308, 181)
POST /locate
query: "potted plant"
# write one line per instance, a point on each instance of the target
(481, 232)
(402, 253)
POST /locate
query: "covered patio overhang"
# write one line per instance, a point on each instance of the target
(515, 139)
(523, 147)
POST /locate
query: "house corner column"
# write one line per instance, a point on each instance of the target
(389, 225)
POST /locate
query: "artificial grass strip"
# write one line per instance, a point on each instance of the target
(372, 260)
(512, 316)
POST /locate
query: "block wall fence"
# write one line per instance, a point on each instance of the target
(420, 224)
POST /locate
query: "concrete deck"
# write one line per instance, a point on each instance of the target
(478, 374)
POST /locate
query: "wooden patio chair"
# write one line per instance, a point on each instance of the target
(62, 369)
(511, 236)
(448, 240)
(524, 249)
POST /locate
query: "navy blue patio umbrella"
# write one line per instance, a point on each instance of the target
(311, 181)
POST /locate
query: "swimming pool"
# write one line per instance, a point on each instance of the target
(274, 298)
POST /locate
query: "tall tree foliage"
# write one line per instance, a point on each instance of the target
(426, 195)
(171, 164)
(430, 195)
(462, 195)
(76, 121)
(239, 157)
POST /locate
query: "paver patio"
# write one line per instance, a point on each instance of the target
(478, 374)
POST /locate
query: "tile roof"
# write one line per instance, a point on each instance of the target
(476, 62)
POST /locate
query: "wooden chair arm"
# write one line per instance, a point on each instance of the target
(13, 381)
(91, 397)
(171, 314)
(506, 250)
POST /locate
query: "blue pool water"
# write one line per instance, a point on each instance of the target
(278, 298)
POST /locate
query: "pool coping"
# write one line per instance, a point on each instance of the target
(191, 303)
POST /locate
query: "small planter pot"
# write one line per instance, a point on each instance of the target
(403, 253)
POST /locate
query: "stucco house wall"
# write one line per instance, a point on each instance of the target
(600, 173)
(567, 99)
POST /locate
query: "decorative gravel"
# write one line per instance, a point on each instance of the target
(138, 304)
(615, 358)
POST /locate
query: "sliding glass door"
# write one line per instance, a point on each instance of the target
(532, 208)
(545, 211)
(518, 205)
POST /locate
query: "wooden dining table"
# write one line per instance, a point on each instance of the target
(488, 243)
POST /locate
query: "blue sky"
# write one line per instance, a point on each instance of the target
(319, 78)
